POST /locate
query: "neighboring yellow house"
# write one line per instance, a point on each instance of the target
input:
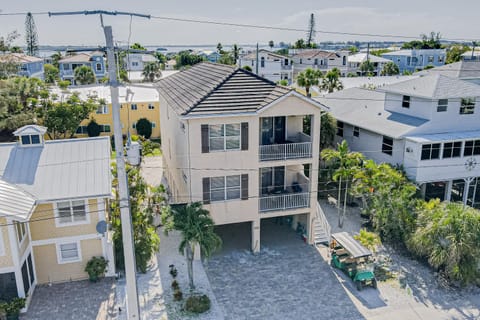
(53, 194)
(136, 102)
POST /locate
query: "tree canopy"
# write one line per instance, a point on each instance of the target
(144, 127)
(390, 69)
(186, 58)
(84, 75)
(331, 81)
(431, 41)
(151, 71)
(308, 78)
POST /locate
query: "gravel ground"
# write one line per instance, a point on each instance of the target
(423, 296)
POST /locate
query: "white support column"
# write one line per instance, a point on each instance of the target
(294, 221)
(309, 227)
(256, 236)
(14, 249)
(448, 190)
(466, 189)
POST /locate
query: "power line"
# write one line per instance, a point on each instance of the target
(253, 26)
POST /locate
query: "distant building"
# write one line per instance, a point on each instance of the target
(471, 55)
(356, 60)
(136, 102)
(28, 66)
(94, 60)
(319, 59)
(271, 66)
(429, 125)
(412, 60)
(209, 55)
(170, 64)
(137, 61)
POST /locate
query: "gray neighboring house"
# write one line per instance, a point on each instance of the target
(430, 125)
(28, 66)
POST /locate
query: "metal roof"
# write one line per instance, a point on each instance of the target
(461, 70)
(18, 58)
(210, 88)
(446, 136)
(15, 202)
(59, 169)
(435, 86)
(362, 56)
(365, 109)
(353, 247)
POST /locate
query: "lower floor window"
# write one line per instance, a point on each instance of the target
(225, 188)
(68, 252)
(387, 145)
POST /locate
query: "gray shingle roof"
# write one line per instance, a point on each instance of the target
(365, 109)
(209, 88)
(461, 70)
(435, 86)
(61, 169)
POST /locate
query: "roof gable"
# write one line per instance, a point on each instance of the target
(30, 129)
(209, 88)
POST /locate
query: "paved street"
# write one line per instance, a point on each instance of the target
(76, 300)
(287, 280)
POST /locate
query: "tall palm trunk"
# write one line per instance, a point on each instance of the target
(340, 222)
(344, 202)
(190, 251)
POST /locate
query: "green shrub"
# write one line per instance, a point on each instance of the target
(144, 127)
(177, 295)
(93, 128)
(197, 304)
(150, 148)
(175, 285)
(13, 307)
(368, 239)
(96, 268)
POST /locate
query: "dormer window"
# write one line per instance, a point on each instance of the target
(30, 139)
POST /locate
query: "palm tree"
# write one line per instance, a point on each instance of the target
(57, 56)
(151, 71)
(236, 52)
(271, 44)
(84, 75)
(346, 163)
(390, 69)
(196, 227)
(308, 78)
(331, 81)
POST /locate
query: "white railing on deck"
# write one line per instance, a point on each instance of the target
(284, 201)
(285, 151)
(322, 219)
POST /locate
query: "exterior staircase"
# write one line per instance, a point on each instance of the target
(321, 228)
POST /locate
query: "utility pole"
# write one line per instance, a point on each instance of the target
(133, 311)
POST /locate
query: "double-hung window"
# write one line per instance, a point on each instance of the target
(467, 106)
(442, 105)
(339, 128)
(430, 151)
(356, 131)
(406, 102)
(224, 137)
(68, 252)
(452, 149)
(472, 148)
(72, 212)
(225, 188)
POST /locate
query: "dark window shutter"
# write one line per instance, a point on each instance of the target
(205, 147)
(244, 134)
(206, 190)
(244, 187)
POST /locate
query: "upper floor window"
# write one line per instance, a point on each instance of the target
(103, 109)
(387, 145)
(133, 106)
(315, 61)
(21, 230)
(286, 62)
(151, 106)
(430, 59)
(356, 131)
(408, 61)
(340, 128)
(135, 63)
(472, 148)
(98, 66)
(452, 149)
(30, 139)
(467, 106)
(66, 66)
(300, 61)
(440, 59)
(442, 105)
(153, 125)
(344, 60)
(225, 188)
(262, 62)
(72, 212)
(430, 151)
(224, 137)
(406, 102)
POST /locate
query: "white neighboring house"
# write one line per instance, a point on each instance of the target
(471, 55)
(271, 66)
(468, 70)
(429, 125)
(137, 61)
(319, 59)
(356, 60)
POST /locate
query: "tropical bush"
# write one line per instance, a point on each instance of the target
(96, 268)
(93, 128)
(197, 303)
(144, 128)
(368, 239)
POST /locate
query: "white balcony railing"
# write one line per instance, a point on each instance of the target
(285, 151)
(284, 201)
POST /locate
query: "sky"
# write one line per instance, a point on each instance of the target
(453, 19)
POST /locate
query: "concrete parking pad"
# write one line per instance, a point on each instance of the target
(74, 300)
(287, 280)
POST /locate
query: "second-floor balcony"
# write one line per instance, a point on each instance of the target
(296, 147)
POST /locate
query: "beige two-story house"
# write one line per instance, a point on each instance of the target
(54, 195)
(244, 146)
